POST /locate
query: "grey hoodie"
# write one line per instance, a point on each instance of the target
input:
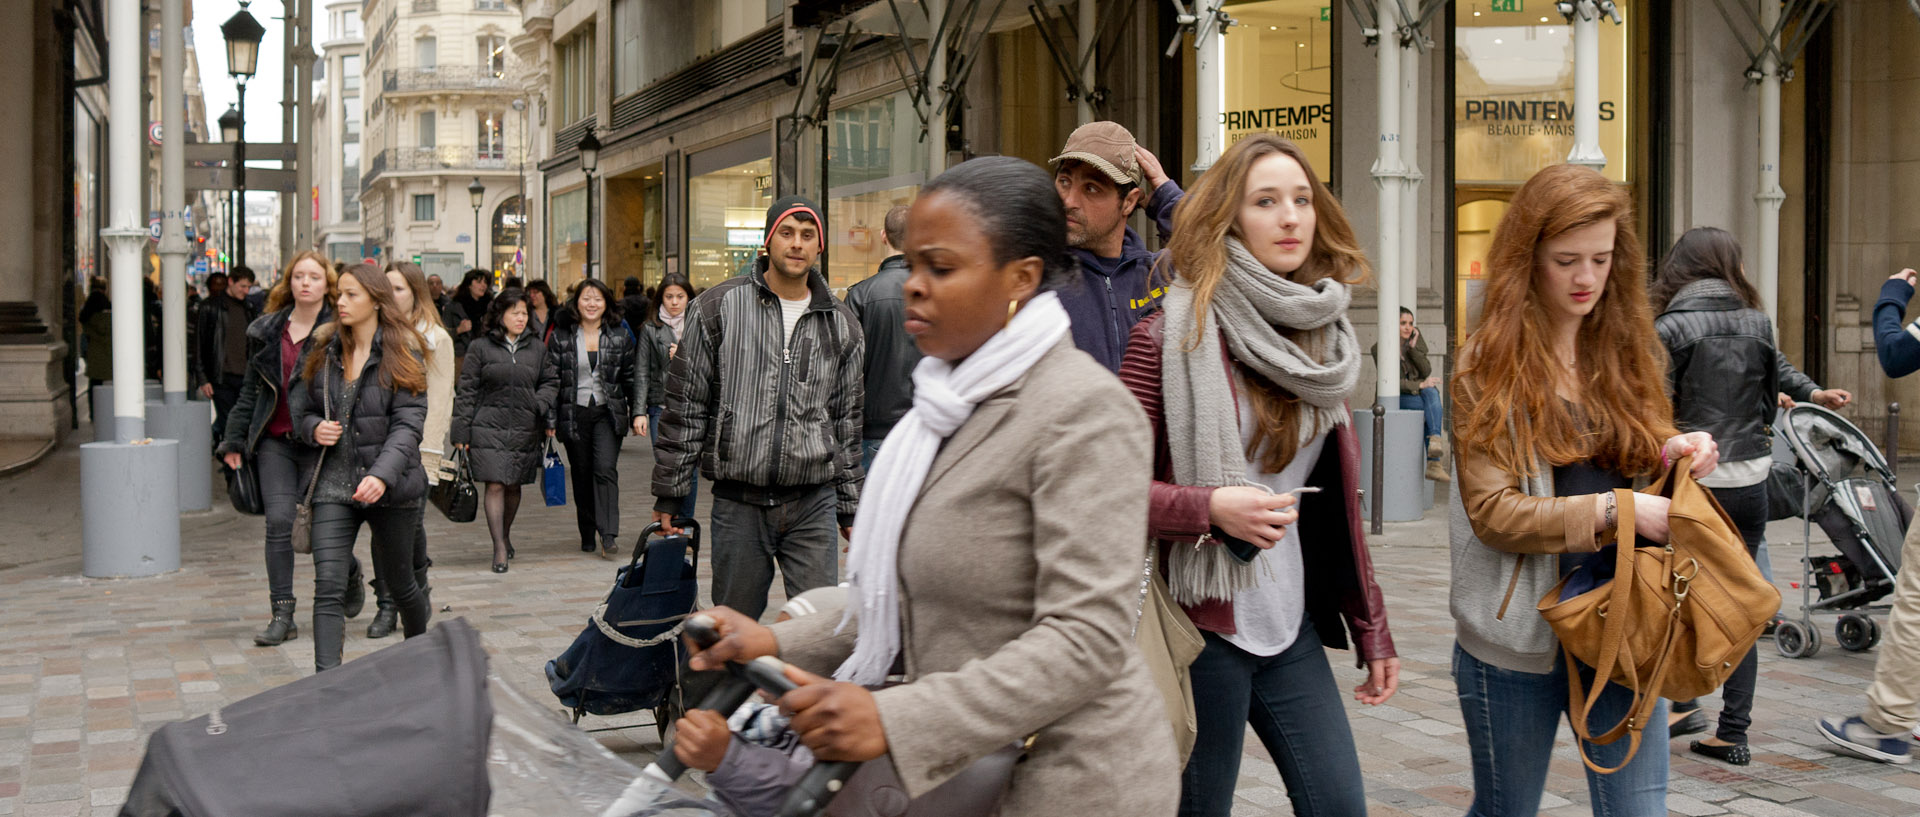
(1520, 640)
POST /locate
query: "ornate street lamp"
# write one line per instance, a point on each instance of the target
(242, 34)
(478, 192)
(589, 159)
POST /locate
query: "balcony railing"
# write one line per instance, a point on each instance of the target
(446, 157)
(443, 78)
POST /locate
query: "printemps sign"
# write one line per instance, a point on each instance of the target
(1513, 93)
(1279, 76)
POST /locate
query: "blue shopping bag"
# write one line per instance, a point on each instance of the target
(553, 478)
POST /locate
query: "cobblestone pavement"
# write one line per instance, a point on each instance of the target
(88, 667)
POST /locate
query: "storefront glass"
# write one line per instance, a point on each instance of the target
(508, 221)
(1513, 115)
(726, 210)
(567, 236)
(1279, 75)
(875, 162)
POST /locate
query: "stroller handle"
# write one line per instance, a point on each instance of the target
(820, 784)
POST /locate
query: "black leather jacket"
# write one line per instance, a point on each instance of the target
(210, 337)
(891, 352)
(618, 372)
(387, 422)
(656, 341)
(1725, 372)
(261, 394)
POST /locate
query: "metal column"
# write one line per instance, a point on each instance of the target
(937, 90)
(1770, 196)
(1388, 174)
(188, 421)
(303, 58)
(1089, 27)
(1585, 20)
(1410, 235)
(1210, 84)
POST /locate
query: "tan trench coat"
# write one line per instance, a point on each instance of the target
(1020, 579)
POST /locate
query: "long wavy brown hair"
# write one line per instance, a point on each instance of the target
(1504, 397)
(1197, 256)
(400, 366)
(281, 296)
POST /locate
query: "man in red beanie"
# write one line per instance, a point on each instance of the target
(764, 397)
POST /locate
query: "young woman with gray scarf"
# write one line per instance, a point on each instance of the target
(1244, 376)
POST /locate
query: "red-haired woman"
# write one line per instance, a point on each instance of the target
(1560, 399)
(1245, 376)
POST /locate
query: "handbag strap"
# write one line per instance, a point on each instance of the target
(326, 413)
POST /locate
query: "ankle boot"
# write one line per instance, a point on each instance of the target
(383, 622)
(281, 628)
(1437, 472)
(356, 598)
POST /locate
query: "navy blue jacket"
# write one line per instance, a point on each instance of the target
(1899, 346)
(1104, 308)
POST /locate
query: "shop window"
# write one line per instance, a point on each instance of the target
(874, 162)
(1513, 94)
(490, 142)
(423, 207)
(726, 212)
(567, 237)
(493, 53)
(1279, 77)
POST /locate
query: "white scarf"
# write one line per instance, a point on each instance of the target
(944, 396)
(674, 322)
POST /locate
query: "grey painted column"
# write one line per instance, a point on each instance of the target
(302, 55)
(175, 417)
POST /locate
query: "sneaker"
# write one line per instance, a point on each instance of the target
(1854, 737)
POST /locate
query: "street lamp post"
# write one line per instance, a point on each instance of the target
(589, 159)
(478, 192)
(242, 34)
(230, 133)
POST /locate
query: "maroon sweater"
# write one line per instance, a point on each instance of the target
(1342, 597)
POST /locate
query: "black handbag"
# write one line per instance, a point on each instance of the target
(457, 497)
(243, 488)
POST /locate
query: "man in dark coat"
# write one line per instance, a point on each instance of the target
(764, 395)
(1099, 176)
(891, 353)
(221, 346)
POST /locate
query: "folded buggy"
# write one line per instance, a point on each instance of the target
(1847, 487)
(629, 656)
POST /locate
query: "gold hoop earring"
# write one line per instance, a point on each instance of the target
(1012, 307)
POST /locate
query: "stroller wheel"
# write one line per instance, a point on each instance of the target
(1795, 639)
(1856, 633)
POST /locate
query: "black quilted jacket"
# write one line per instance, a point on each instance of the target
(1724, 370)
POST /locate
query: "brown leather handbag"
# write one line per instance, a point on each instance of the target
(1672, 622)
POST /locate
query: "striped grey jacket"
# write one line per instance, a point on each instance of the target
(745, 407)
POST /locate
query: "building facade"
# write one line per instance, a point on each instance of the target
(440, 121)
(338, 117)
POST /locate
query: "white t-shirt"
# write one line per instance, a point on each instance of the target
(1267, 616)
(790, 312)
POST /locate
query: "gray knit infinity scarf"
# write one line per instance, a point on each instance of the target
(1250, 308)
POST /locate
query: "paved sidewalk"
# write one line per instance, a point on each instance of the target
(88, 668)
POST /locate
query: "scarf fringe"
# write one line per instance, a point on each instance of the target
(1206, 573)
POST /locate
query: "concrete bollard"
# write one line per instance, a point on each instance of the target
(1403, 483)
(190, 423)
(130, 509)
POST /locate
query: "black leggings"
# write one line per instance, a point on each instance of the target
(420, 563)
(594, 455)
(282, 467)
(335, 526)
(1748, 507)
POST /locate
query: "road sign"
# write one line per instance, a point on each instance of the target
(153, 133)
(256, 152)
(200, 265)
(220, 178)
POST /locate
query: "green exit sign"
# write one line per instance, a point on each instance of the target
(1507, 5)
(1326, 14)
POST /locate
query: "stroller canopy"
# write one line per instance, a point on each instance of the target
(400, 732)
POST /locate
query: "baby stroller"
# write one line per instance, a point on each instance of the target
(1839, 480)
(629, 656)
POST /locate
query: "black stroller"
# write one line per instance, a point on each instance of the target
(629, 657)
(1839, 480)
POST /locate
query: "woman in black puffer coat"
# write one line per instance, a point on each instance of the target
(659, 330)
(504, 399)
(597, 360)
(362, 397)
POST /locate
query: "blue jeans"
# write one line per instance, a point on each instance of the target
(653, 426)
(1294, 705)
(1512, 718)
(868, 450)
(1427, 401)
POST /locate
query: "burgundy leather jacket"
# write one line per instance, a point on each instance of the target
(1333, 542)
